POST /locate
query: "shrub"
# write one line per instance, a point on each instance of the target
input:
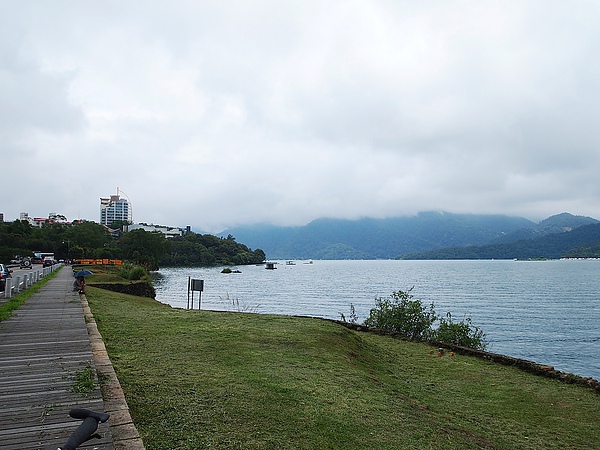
(461, 333)
(410, 318)
(401, 314)
(131, 272)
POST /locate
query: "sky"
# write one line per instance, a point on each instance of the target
(216, 114)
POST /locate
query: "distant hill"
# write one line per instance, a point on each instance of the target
(558, 223)
(370, 238)
(580, 242)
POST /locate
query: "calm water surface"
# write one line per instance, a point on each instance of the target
(544, 311)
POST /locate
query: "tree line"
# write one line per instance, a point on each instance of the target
(88, 239)
(581, 242)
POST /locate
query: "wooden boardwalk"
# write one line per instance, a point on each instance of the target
(42, 348)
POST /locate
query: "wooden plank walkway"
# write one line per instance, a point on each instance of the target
(42, 348)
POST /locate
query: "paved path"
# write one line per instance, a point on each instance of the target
(43, 346)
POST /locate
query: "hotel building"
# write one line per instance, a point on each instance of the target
(115, 208)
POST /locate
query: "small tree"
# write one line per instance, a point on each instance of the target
(401, 314)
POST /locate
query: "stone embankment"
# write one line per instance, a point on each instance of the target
(139, 288)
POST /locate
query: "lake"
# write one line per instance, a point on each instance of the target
(543, 311)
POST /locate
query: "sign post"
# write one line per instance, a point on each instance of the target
(195, 285)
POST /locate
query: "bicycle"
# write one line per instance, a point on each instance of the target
(87, 429)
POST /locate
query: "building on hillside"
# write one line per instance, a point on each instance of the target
(41, 221)
(115, 208)
(169, 232)
(34, 221)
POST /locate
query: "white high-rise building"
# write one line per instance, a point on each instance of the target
(115, 208)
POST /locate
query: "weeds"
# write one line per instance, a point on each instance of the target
(46, 412)
(237, 305)
(84, 382)
(352, 318)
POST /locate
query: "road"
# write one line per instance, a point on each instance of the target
(18, 272)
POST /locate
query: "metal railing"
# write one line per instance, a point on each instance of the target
(19, 283)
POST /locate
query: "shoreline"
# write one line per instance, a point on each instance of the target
(523, 364)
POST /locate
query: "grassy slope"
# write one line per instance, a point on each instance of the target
(232, 380)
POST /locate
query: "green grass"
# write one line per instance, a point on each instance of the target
(200, 379)
(15, 302)
(101, 274)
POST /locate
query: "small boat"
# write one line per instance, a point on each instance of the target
(270, 265)
(310, 261)
(290, 263)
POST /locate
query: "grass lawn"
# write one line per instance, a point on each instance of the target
(200, 379)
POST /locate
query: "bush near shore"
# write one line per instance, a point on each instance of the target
(201, 379)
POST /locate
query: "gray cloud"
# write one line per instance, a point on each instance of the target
(215, 114)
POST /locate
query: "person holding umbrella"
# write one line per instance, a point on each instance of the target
(79, 283)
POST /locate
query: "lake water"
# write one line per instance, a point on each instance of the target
(543, 311)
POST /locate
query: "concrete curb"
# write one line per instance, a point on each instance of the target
(124, 433)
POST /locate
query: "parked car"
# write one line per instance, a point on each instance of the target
(4, 274)
(25, 263)
(48, 262)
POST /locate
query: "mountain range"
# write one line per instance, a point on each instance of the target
(427, 235)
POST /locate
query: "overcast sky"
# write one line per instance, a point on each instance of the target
(222, 113)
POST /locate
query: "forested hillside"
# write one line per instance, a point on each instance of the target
(558, 223)
(393, 237)
(582, 242)
(209, 250)
(19, 240)
(370, 238)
